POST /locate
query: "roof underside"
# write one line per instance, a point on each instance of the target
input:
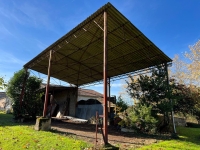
(78, 55)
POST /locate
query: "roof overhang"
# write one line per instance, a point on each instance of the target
(78, 55)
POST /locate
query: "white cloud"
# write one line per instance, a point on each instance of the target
(34, 15)
(40, 44)
(8, 58)
(25, 13)
(4, 31)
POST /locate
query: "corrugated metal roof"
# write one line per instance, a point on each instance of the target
(78, 55)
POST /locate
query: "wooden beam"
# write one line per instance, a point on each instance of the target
(47, 86)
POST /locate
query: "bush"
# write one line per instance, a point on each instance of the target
(139, 118)
(30, 102)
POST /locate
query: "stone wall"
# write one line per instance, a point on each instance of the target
(179, 121)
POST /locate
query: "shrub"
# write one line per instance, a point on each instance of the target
(139, 118)
(30, 102)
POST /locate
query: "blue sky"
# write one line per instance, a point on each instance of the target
(28, 27)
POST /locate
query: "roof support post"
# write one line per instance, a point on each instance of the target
(105, 107)
(47, 86)
(109, 97)
(172, 112)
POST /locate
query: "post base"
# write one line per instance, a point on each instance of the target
(43, 124)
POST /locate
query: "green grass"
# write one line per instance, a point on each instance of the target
(15, 136)
(189, 139)
(19, 136)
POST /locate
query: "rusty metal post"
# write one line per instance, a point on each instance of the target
(76, 98)
(97, 121)
(105, 107)
(109, 96)
(47, 86)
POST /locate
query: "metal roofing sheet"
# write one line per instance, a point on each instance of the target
(78, 55)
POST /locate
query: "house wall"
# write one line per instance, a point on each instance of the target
(62, 98)
(88, 111)
(4, 99)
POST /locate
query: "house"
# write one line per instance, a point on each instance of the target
(67, 101)
(89, 102)
(5, 102)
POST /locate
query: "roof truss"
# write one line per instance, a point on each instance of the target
(78, 55)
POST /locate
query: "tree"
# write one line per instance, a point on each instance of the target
(186, 69)
(141, 118)
(121, 105)
(31, 103)
(187, 98)
(2, 83)
(153, 90)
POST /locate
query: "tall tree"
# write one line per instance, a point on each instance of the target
(194, 63)
(31, 103)
(187, 98)
(153, 90)
(186, 69)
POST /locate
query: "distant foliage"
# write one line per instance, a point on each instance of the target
(188, 98)
(186, 68)
(186, 71)
(2, 83)
(31, 103)
(121, 104)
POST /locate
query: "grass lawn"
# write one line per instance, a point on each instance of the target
(16, 136)
(189, 139)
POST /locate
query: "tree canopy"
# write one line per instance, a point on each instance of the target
(186, 73)
(121, 104)
(153, 93)
(31, 103)
(152, 89)
(2, 83)
(186, 68)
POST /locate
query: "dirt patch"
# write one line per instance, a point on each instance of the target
(116, 138)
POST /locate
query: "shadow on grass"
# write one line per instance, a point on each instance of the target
(62, 133)
(111, 130)
(109, 147)
(116, 137)
(189, 134)
(8, 120)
